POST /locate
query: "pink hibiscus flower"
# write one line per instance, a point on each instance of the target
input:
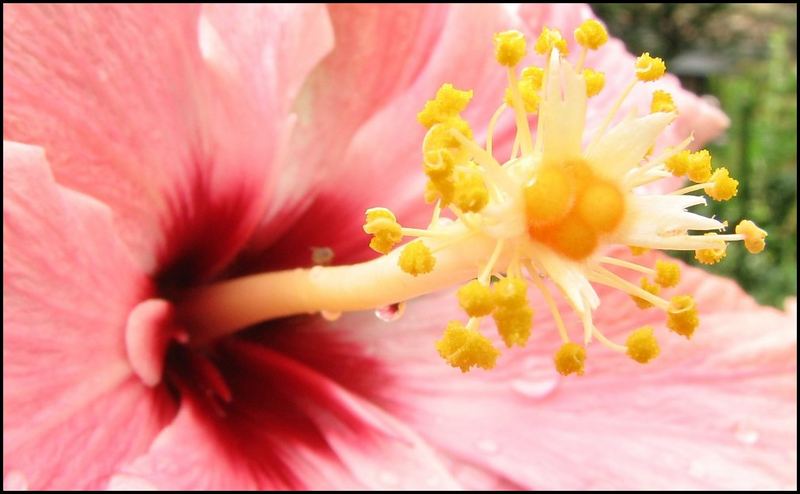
(150, 150)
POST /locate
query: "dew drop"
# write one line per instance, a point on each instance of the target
(487, 446)
(746, 433)
(388, 479)
(534, 387)
(321, 256)
(330, 315)
(391, 312)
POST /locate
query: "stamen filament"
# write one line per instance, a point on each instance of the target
(608, 343)
(487, 271)
(691, 188)
(606, 277)
(437, 212)
(627, 264)
(548, 298)
(581, 59)
(523, 130)
(614, 109)
(490, 128)
(419, 232)
(492, 167)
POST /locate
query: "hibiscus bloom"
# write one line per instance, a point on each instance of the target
(158, 149)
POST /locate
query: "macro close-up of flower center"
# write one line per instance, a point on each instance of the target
(549, 211)
(371, 247)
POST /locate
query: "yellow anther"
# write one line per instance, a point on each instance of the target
(711, 256)
(668, 274)
(682, 315)
(448, 103)
(442, 189)
(662, 102)
(754, 236)
(649, 68)
(509, 47)
(638, 251)
(533, 74)
(439, 164)
(476, 299)
(465, 348)
(470, 192)
(648, 287)
(440, 137)
(416, 258)
(699, 169)
(549, 39)
(511, 293)
(724, 186)
(591, 34)
(569, 359)
(529, 93)
(595, 81)
(383, 225)
(642, 345)
(679, 163)
(514, 324)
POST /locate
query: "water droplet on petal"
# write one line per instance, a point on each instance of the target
(388, 479)
(487, 446)
(391, 312)
(321, 256)
(534, 387)
(330, 315)
(745, 433)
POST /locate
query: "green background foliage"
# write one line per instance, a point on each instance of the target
(744, 55)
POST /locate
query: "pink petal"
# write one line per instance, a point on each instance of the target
(366, 148)
(718, 411)
(161, 112)
(286, 427)
(68, 284)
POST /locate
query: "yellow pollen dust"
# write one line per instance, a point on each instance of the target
(699, 166)
(416, 258)
(754, 236)
(649, 68)
(476, 299)
(570, 358)
(550, 39)
(383, 225)
(723, 187)
(711, 256)
(595, 81)
(529, 86)
(668, 274)
(682, 315)
(465, 348)
(642, 345)
(448, 103)
(509, 47)
(591, 34)
(651, 288)
(662, 102)
(569, 207)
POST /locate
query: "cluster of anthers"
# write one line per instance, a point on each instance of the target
(550, 210)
